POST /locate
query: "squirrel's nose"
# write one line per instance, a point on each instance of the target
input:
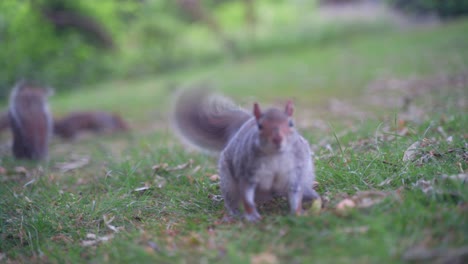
(277, 140)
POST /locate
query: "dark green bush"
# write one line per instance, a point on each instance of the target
(441, 8)
(35, 49)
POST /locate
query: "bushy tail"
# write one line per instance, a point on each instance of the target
(206, 120)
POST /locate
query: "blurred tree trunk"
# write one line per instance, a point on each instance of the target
(196, 11)
(63, 14)
(250, 15)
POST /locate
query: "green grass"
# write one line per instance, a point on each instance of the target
(47, 220)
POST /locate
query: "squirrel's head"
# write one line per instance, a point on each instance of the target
(274, 127)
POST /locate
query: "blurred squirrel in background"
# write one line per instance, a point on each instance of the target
(30, 121)
(262, 155)
(68, 127)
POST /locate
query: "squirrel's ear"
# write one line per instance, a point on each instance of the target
(256, 111)
(289, 109)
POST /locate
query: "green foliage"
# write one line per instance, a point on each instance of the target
(442, 8)
(33, 48)
(150, 37)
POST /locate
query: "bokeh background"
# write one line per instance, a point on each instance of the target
(70, 44)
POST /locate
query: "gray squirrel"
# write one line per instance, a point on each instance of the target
(262, 155)
(30, 121)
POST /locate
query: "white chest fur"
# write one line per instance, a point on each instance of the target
(275, 172)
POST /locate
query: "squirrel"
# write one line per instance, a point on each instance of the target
(261, 155)
(97, 121)
(4, 121)
(30, 121)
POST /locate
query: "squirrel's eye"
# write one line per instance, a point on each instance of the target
(260, 127)
(291, 123)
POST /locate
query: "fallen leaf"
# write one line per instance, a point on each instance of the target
(315, 184)
(181, 166)
(92, 239)
(196, 169)
(161, 166)
(215, 198)
(29, 183)
(193, 239)
(412, 152)
(355, 230)
(385, 182)
(424, 185)
(345, 205)
(142, 189)
(214, 177)
(108, 222)
(367, 199)
(457, 177)
(21, 170)
(264, 258)
(436, 255)
(165, 166)
(76, 163)
(62, 238)
(159, 181)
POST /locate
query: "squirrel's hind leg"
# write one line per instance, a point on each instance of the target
(230, 192)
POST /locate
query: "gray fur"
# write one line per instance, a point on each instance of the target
(30, 121)
(251, 169)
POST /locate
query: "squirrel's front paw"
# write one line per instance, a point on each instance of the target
(253, 217)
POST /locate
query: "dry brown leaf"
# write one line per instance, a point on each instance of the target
(214, 177)
(412, 152)
(315, 184)
(424, 185)
(181, 166)
(385, 182)
(108, 222)
(21, 170)
(76, 163)
(345, 205)
(368, 198)
(62, 238)
(264, 258)
(161, 166)
(355, 230)
(215, 198)
(29, 183)
(165, 166)
(196, 169)
(463, 177)
(142, 189)
(423, 254)
(159, 181)
(92, 239)
(193, 239)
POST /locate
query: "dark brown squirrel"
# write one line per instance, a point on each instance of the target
(4, 121)
(71, 125)
(262, 155)
(30, 121)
